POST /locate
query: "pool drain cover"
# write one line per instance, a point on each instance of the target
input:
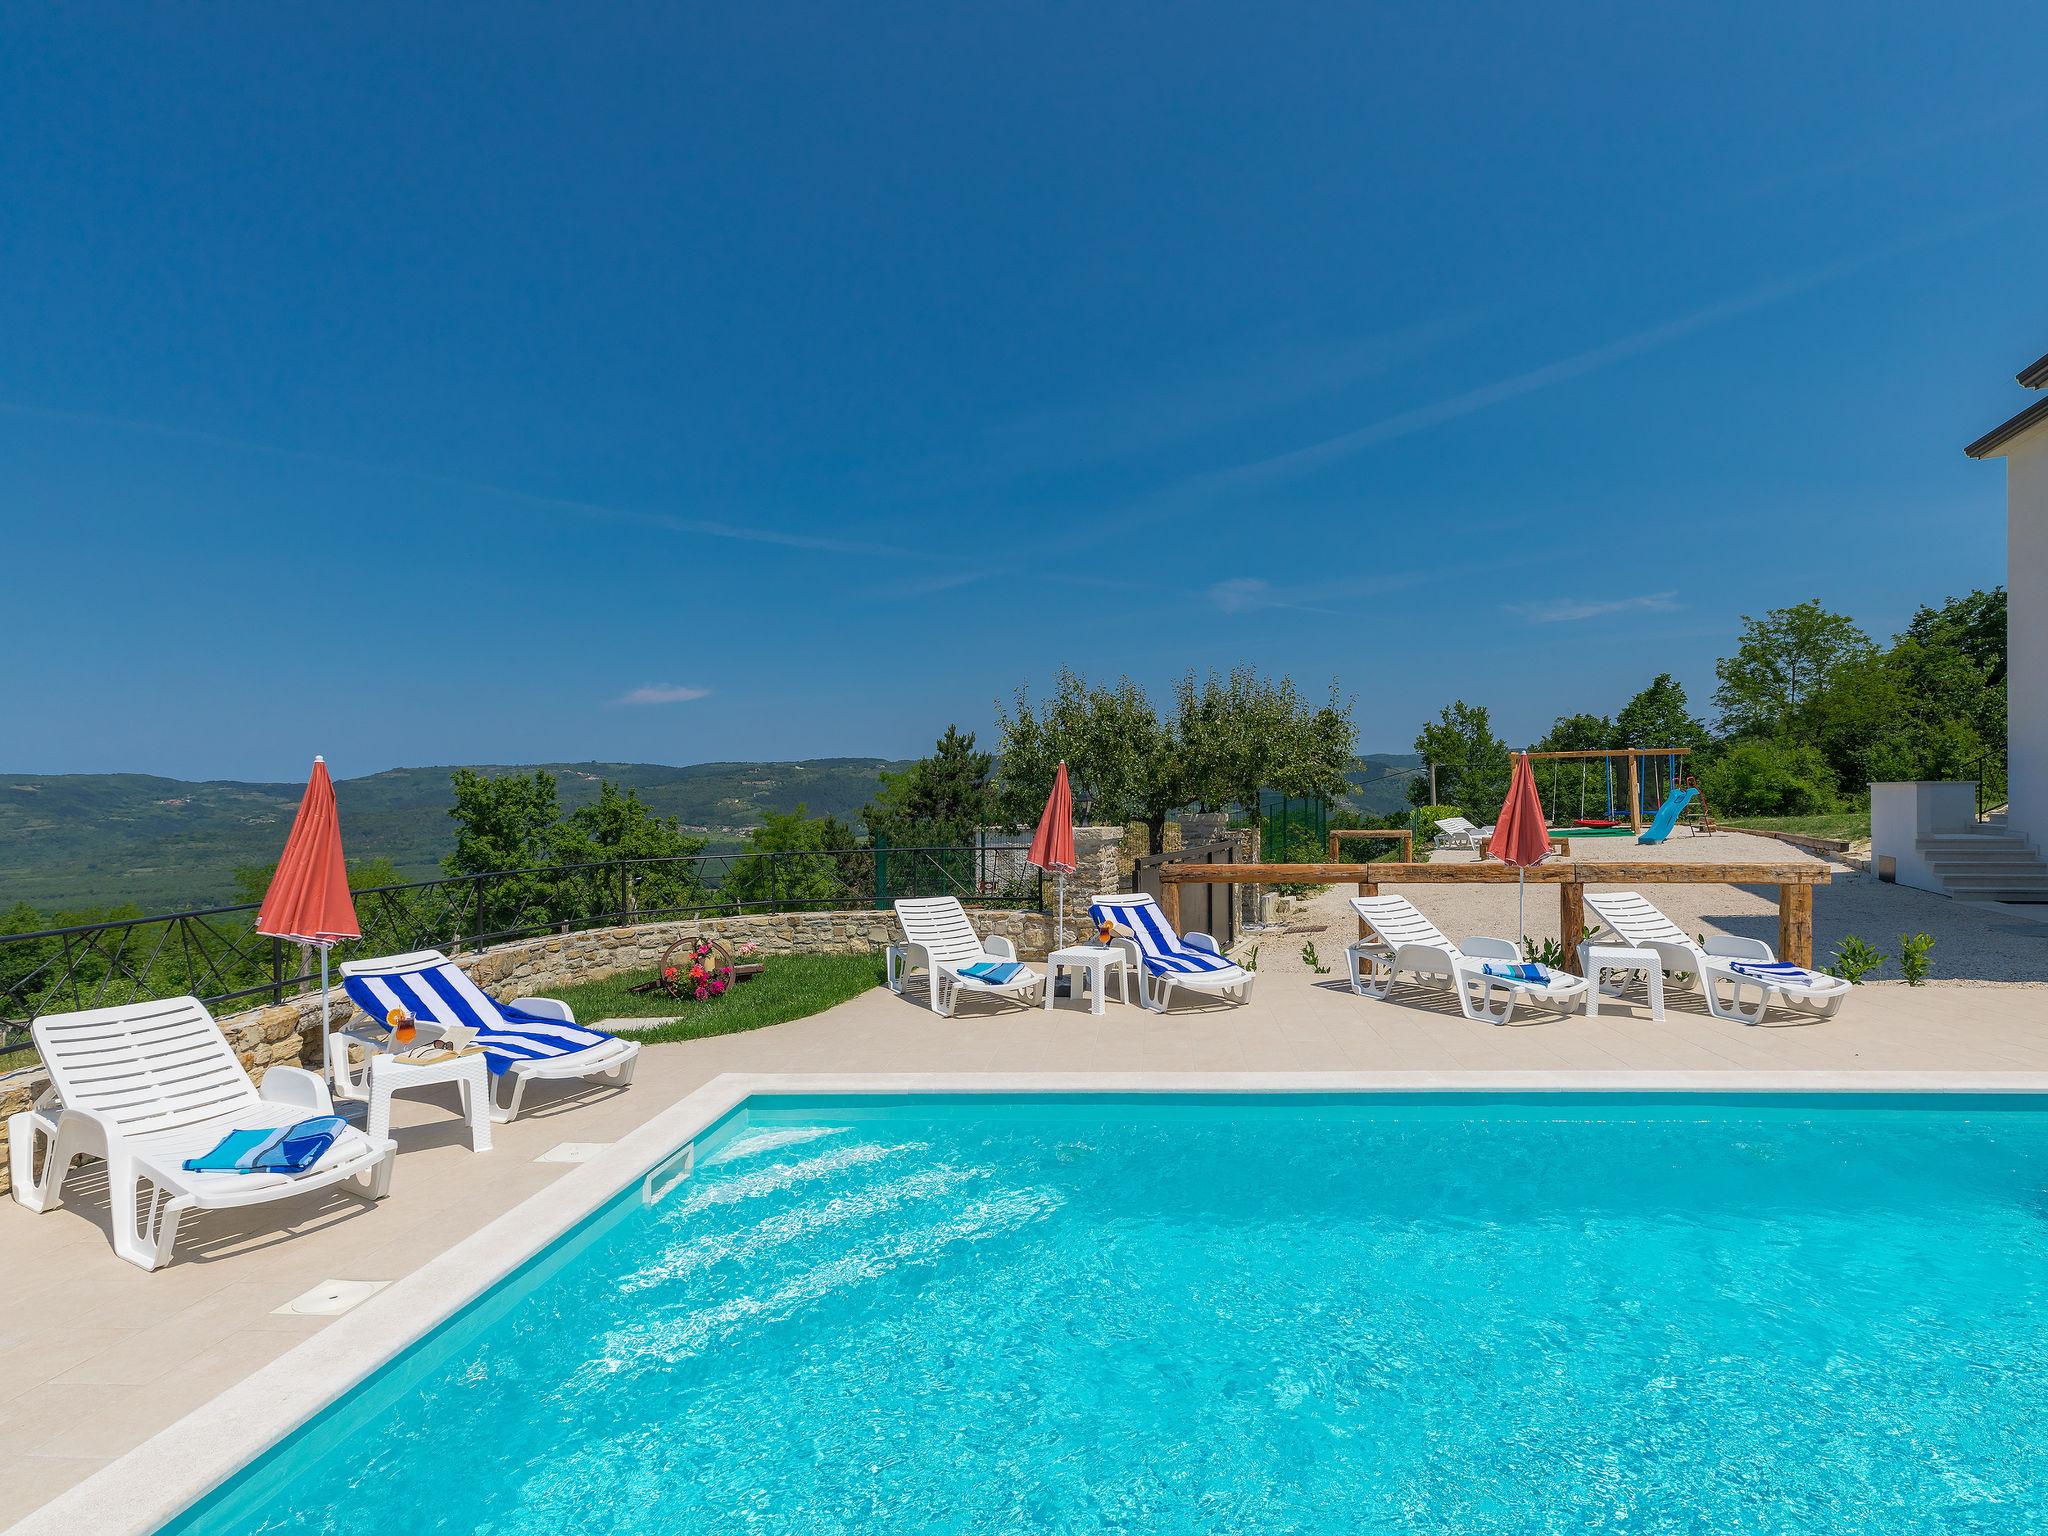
(331, 1298)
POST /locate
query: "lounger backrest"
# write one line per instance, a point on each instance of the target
(428, 985)
(1635, 920)
(155, 1066)
(1455, 824)
(941, 925)
(1395, 920)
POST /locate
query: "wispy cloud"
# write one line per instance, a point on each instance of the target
(1571, 610)
(745, 532)
(662, 693)
(1262, 473)
(1254, 594)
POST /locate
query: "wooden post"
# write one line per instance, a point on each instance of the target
(1571, 919)
(1635, 791)
(1169, 901)
(1332, 855)
(1795, 924)
(1366, 888)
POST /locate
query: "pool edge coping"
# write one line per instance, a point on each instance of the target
(159, 1479)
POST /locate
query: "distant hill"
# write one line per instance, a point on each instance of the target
(72, 841)
(98, 839)
(1380, 782)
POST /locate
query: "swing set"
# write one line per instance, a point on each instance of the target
(1649, 777)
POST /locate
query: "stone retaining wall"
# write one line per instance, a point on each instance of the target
(288, 1033)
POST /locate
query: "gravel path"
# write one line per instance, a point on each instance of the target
(1972, 942)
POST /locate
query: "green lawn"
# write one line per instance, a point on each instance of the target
(791, 987)
(1853, 826)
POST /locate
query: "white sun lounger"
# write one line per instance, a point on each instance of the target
(1738, 963)
(1164, 959)
(1409, 942)
(146, 1086)
(939, 939)
(528, 1040)
(1457, 832)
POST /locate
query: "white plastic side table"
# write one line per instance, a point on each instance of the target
(1090, 964)
(389, 1075)
(1596, 958)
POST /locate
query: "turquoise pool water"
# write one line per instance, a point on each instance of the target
(1181, 1316)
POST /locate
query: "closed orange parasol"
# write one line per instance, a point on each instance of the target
(308, 900)
(1052, 848)
(1520, 835)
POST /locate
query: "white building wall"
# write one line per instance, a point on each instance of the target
(2026, 557)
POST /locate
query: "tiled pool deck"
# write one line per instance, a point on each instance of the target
(96, 1356)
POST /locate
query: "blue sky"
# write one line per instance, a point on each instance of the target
(514, 383)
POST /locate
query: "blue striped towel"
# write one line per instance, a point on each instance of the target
(1164, 952)
(284, 1149)
(1776, 970)
(1539, 974)
(994, 972)
(443, 994)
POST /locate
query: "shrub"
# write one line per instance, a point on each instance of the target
(1855, 960)
(1769, 778)
(1916, 951)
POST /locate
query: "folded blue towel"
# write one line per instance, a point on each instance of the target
(286, 1149)
(1537, 973)
(1776, 970)
(994, 972)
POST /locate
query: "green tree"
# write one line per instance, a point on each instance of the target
(1658, 717)
(1974, 625)
(510, 823)
(1472, 764)
(1123, 761)
(940, 800)
(1765, 777)
(1578, 733)
(795, 860)
(616, 826)
(1785, 662)
(1243, 733)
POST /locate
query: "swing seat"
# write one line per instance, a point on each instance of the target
(1596, 821)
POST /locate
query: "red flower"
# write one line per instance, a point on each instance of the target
(701, 994)
(668, 973)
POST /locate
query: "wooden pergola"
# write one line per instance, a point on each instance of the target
(1795, 883)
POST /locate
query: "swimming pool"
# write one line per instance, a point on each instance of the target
(1307, 1313)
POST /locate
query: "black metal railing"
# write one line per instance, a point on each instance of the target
(217, 955)
(1991, 791)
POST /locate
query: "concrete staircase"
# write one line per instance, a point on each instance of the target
(1986, 864)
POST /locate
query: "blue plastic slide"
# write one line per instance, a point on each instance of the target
(1667, 816)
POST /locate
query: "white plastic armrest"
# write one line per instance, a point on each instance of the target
(297, 1087)
(1426, 958)
(90, 1131)
(1728, 947)
(1202, 941)
(547, 1008)
(1000, 947)
(1491, 949)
